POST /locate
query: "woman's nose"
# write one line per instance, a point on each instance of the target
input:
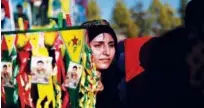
(106, 50)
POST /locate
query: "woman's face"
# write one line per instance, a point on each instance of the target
(103, 50)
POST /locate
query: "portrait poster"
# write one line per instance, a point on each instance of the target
(57, 6)
(41, 69)
(6, 74)
(21, 9)
(73, 75)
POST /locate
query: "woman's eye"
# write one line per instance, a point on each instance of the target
(111, 45)
(97, 46)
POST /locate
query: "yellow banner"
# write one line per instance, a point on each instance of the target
(10, 41)
(50, 37)
(74, 40)
(45, 90)
(34, 41)
(21, 40)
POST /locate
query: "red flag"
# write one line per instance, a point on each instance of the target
(25, 97)
(4, 46)
(26, 25)
(6, 7)
(132, 62)
(58, 42)
(3, 94)
(23, 80)
(65, 101)
(61, 70)
(27, 47)
(68, 20)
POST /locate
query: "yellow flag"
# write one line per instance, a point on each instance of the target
(21, 40)
(45, 90)
(21, 24)
(74, 40)
(34, 40)
(10, 41)
(50, 38)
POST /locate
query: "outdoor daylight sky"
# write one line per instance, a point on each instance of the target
(106, 6)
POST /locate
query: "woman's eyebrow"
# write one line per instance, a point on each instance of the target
(101, 42)
(111, 42)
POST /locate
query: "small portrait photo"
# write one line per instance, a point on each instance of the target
(21, 9)
(6, 74)
(73, 75)
(41, 69)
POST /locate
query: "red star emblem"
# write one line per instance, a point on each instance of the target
(74, 40)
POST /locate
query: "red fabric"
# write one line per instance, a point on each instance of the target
(59, 60)
(27, 46)
(16, 40)
(61, 70)
(132, 62)
(26, 23)
(60, 67)
(25, 97)
(21, 89)
(6, 5)
(65, 101)
(68, 20)
(3, 94)
(4, 46)
(58, 42)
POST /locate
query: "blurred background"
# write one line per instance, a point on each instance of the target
(129, 18)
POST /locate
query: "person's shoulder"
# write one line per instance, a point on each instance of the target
(176, 33)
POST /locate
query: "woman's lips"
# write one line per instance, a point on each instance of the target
(104, 60)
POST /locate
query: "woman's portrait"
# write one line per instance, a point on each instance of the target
(103, 43)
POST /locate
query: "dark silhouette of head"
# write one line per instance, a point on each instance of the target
(74, 68)
(19, 9)
(40, 64)
(194, 18)
(5, 68)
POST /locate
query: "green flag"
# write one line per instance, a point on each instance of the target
(73, 93)
(11, 94)
(15, 72)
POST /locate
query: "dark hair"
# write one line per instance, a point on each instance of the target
(40, 61)
(19, 6)
(2, 6)
(97, 27)
(4, 66)
(75, 67)
(95, 23)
